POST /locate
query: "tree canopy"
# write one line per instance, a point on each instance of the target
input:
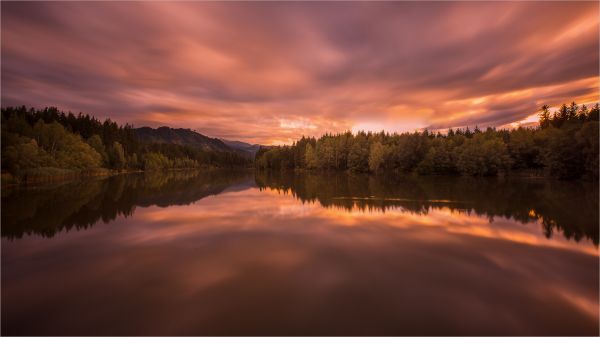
(564, 145)
(34, 141)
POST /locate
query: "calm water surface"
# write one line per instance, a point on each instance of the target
(232, 253)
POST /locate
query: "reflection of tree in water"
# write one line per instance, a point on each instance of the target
(569, 207)
(48, 210)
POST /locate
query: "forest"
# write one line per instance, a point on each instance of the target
(563, 145)
(51, 143)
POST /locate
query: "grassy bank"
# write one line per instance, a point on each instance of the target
(52, 175)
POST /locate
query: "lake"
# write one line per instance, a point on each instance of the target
(255, 253)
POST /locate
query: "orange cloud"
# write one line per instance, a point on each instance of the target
(272, 72)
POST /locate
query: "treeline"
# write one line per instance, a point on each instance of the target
(51, 142)
(564, 145)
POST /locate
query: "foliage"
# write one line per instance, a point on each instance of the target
(24, 155)
(564, 145)
(310, 157)
(116, 156)
(49, 139)
(377, 156)
(482, 156)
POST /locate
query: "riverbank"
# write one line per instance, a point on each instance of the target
(521, 173)
(56, 175)
(52, 174)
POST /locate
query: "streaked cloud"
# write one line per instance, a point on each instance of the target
(270, 72)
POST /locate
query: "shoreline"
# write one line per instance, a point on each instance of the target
(10, 181)
(529, 174)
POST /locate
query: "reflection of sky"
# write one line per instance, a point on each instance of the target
(259, 208)
(263, 262)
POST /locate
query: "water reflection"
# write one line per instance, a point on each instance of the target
(571, 208)
(49, 209)
(384, 257)
(567, 207)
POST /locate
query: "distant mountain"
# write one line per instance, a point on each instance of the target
(182, 137)
(251, 149)
(192, 138)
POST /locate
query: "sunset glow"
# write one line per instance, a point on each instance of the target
(179, 222)
(269, 73)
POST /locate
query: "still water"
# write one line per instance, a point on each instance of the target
(244, 253)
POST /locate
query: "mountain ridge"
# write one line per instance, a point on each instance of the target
(189, 137)
(180, 136)
(242, 146)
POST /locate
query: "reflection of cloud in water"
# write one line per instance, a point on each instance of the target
(269, 262)
(259, 211)
(216, 269)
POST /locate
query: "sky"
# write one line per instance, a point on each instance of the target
(268, 73)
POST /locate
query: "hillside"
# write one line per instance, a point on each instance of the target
(47, 144)
(250, 149)
(181, 137)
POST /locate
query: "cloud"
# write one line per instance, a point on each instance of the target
(237, 70)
